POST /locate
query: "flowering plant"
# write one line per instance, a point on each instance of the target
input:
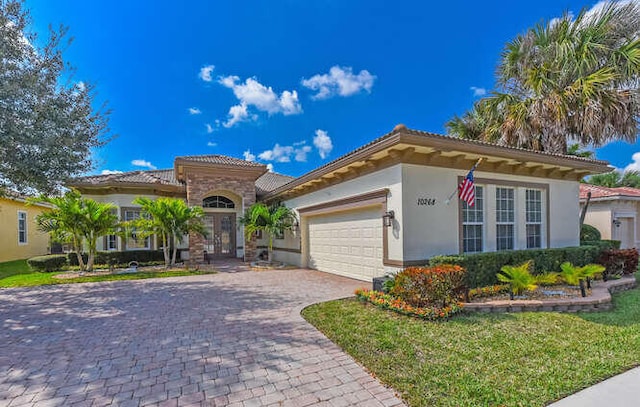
(387, 301)
(439, 285)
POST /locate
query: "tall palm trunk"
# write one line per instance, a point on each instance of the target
(77, 246)
(165, 250)
(175, 249)
(92, 253)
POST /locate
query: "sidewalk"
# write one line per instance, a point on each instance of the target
(619, 391)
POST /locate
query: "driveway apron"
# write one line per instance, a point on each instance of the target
(229, 339)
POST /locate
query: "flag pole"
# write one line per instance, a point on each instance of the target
(456, 188)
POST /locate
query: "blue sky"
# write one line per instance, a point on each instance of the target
(294, 83)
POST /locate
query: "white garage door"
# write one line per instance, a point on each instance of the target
(347, 243)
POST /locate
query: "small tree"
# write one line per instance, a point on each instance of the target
(272, 220)
(169, 219)
(64, 221)
(76, 219)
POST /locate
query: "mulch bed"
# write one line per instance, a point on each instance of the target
(550, 293)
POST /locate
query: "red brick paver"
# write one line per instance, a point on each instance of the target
(215, 340)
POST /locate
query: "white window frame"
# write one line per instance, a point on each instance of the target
(108, 241)
(22, 216)
(505, 216)
(479, 201)
(534, 222)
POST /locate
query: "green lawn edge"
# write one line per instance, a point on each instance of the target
(18, 274)
(516, 359)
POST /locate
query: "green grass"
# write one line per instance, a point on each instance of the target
(521, 359)
(18, 274)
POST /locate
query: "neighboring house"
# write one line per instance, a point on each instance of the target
(613, 211)
(19, 235)
(379, 208)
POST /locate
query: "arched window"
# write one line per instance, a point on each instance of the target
(218, 202)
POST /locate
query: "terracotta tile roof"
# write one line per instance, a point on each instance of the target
(605, 192)
(270, 181)
(265, 184)
(219, 159)
(162, 177)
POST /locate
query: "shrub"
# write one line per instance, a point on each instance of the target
(387, 301)
(618, 262)
(52, 262)
(489, 291)
(602, 244)
(589, 233)
(573, 275)
(424, 286)
(519, 278)
(121, 258)
(482, 267)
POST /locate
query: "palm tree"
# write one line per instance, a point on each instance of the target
(273, 220)
(76, 219)
(170, 219)
(573, 78)
(99, 219)
(616, 179)
(64, 220)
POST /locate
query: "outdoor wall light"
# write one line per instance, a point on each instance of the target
(617, 223)
(388, 217)
(296, 226)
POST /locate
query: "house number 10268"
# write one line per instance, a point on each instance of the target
(426, 201)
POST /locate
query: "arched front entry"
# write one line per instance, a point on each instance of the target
(220, 223)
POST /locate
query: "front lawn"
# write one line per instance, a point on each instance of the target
(18, 274)
(522, 359)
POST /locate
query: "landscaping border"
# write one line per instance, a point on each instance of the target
(599, 300)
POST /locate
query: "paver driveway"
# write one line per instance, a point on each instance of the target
(224, 339)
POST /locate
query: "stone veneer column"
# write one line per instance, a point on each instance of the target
(198, 185)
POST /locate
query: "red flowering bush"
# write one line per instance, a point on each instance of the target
(440, 285)
(387, 301)
(617, 262)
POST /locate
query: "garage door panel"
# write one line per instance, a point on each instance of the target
(347, 243)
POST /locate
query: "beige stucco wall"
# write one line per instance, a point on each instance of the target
(37, 242)
(434, 229)
(390, 178)
(601, 215)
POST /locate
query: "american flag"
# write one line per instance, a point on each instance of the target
(466, 189)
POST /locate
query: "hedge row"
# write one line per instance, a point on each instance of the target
(482, 267)
(47, 264)
(121, 258)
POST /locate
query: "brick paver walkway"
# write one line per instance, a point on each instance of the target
(222, 340)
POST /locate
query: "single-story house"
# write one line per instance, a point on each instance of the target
(613, 211)
(19, 235)
(375, 210)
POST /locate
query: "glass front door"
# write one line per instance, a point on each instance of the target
(221, 234)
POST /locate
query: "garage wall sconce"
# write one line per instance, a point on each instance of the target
(617, 223)
(388, 217)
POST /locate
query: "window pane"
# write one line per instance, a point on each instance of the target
(472, 238)
(504, 237)
(534, 236)
(505, 205)
(22, 227)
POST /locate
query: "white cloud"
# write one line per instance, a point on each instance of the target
(278, 153)
(194, 110)
(205, 73)
(323, 143)
(478, 91)
(210, 128)
(253, 93)
(270, 167)
(143, 163)
(212, 144)
(301, 153)
(109, 172)
(339, 81)
(284, 154)
(249, 156)
(635, 165)
(238, 114)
